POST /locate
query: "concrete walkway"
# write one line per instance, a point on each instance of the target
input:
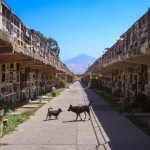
(107, 129)
(121, 133)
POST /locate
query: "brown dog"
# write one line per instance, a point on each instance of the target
(53, 113)
(80, 109)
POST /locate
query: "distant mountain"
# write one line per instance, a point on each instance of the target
(80, 63)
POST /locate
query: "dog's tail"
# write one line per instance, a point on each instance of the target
(90, 103)
(50, 108)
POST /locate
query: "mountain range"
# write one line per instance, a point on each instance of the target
(80, 63)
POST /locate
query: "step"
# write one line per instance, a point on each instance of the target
(38, 102)
(30, 106)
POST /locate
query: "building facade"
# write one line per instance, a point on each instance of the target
(124, 69)
(28, 67)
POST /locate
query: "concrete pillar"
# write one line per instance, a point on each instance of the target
(90, 76)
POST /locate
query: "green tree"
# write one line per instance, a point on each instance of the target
(53, 45)
(50, 42)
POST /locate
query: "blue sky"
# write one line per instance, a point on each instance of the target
(80, 26)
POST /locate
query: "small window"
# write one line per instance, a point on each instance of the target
(11, 75)
(11, 66)
(18, 67)
(3, 67)
(3, 77)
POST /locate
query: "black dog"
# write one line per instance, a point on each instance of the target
(80, 109)
(53, 112)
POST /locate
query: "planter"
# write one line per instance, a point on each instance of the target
(1, 111)
(1, 126)
(1, 120)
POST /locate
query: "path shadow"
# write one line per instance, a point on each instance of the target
(74, 121)
(115, 126)
(50, 119)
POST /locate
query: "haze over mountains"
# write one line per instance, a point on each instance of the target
(80, 63)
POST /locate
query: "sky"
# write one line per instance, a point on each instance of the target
(80, 26)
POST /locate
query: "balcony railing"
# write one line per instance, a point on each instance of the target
(24, 41)
(133, 43)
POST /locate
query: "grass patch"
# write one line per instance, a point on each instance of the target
(14, 121)
(57, 92)
(127, 107)
(140, 124)
(3, 144)
(10, 107)
(121, 107)
(54, 93)
(108, 99)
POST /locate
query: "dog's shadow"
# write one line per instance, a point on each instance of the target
(74, 121)
(50, 119)
(66, 121)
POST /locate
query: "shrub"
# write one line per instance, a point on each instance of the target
(108, 90)
(125, 107)
(14, 121)
(146, 107)
(140, 123)
(54, 93)
(141, 98)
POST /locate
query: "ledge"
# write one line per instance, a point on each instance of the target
(138, 114)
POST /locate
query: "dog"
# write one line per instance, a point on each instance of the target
(53, 113)
(80, 109)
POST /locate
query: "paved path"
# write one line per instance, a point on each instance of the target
(106, 130)
(121, 133)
